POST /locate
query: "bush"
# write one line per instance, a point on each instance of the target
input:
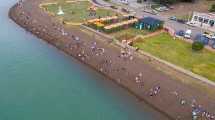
(212, 9)
(197, 46)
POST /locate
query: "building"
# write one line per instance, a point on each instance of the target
(203, 20)
(149, 23)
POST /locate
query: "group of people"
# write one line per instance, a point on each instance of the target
(199, 112)
(126, 54)
(154, 91)
(139, 81)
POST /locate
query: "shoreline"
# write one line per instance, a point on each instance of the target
(43, 28)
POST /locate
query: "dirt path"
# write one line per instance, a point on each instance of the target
(148, 35)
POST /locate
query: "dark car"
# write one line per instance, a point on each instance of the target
(202, 38)
(180, 33)
(173, 18)
(213, 46)
(181, 21)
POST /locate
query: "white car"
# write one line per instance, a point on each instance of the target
(162, 8)
(209, 35)
(188, 34)
(191, 24)
(124, 1)
(213, 36)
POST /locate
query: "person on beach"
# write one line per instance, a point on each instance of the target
(154, 91)
(93, 47)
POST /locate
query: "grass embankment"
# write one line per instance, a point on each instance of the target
(180, 53)
(77, 11)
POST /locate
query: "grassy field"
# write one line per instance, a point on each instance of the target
(77, 11)
(128, 33)
(180, 53)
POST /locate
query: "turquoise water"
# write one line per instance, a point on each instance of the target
(38, 82)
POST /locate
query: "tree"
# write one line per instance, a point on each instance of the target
(197, 46)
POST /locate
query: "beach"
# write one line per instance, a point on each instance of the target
(164, 92)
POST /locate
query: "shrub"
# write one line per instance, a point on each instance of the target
(212, 9)
(197, 46)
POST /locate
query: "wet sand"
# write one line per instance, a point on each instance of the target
(162, 91)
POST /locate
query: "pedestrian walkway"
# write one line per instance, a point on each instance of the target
(148, 35)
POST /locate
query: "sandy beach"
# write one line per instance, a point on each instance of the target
(171, 95)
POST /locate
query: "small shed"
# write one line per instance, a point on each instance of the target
(149, 23)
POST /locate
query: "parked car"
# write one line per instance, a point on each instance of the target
(162, 8)
(213, 36)
(213, 46)
(191, 24)
(124, 1)
(181, 21)
(173, 18)
(180, 33)
(204, 39)
(209, 35)
(188, 34)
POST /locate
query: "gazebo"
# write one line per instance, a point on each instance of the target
(149, 23)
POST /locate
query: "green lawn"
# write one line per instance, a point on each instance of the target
(180, 53)
(78, 11)
(128, 33)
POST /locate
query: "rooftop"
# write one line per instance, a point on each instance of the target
(150, 20)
